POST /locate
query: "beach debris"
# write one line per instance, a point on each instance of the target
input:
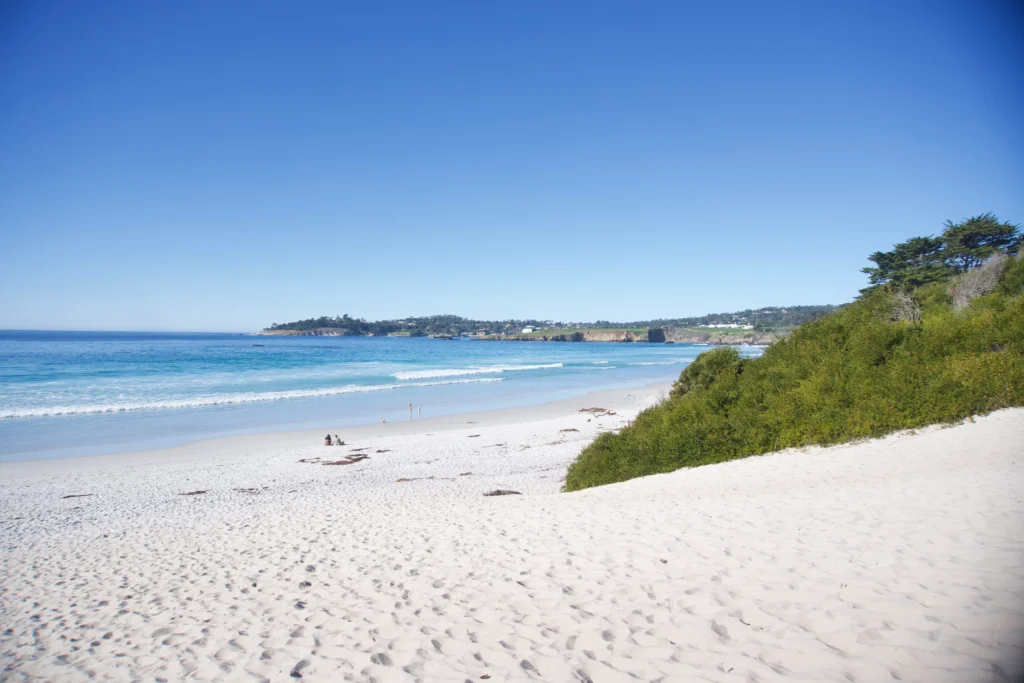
(465, 474)
(78, 495)
(310, 567)
(364, 448)
(598, 412)
(252, 490)
(304, 584)
(300, 605)
(472, 436)
(383, 450)
(502, 492)
(297, 669)
(350, 460)
(310, 460)
(405, 479)
(570, 429)
(193, 493)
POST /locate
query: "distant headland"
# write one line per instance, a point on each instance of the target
(760, 326)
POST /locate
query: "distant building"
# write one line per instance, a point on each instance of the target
(527, 330)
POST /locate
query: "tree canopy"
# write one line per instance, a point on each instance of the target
(969, 243)
(961, 247)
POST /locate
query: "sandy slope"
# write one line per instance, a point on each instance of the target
(899, 559)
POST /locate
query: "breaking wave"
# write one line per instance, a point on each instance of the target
(458, 372)
(226, 399)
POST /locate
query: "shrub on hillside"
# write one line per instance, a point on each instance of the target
(854, 374)
(705, 369)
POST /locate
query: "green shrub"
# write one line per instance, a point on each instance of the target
(853, 374)
(705, 369)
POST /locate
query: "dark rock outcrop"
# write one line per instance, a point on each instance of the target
(656, 336)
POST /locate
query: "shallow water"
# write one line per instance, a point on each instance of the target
(72, 393)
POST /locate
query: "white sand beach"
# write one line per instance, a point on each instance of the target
(896, 559)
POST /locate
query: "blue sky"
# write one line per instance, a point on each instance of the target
(225, 165)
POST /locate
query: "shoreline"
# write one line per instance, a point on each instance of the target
(302, 438)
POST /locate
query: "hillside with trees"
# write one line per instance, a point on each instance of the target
(937, 336)
(447, 325)
(769, 318)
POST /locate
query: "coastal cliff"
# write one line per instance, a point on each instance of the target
(626, 336)
(653, 336)
(315, 332)
(691, 336)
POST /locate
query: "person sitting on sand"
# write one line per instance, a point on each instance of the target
(327, 440)
(338, 441)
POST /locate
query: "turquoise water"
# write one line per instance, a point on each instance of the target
(72, 393)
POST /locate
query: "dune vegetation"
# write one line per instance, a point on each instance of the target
(937, 337)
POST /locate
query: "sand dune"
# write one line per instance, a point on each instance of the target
(897, 559)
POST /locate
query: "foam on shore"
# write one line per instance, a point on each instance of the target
(228, 399)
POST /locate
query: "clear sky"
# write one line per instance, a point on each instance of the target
(197, 165)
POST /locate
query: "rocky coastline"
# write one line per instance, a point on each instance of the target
(651, 336)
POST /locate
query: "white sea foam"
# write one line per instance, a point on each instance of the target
(482, 370)
(225, 399)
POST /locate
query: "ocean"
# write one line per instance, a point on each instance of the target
(67, 394)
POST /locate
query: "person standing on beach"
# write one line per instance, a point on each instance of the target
(410, 411)
(419, 412)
